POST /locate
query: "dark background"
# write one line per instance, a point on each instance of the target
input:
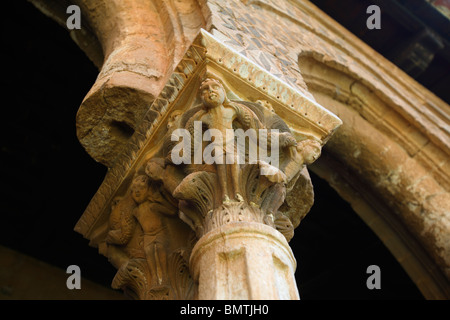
(47, 179)
(414, 35)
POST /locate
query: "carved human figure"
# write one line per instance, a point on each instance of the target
(303, 153)
(221, 114)
(138, 243)
(150, 213)
(146, 206)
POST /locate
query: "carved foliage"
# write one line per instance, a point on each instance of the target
(214, 194)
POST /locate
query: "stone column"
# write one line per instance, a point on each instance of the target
(206, 195)
(244, 260)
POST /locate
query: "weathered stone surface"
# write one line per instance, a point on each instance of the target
(395, 138)
(142, 42)
(229, 264)
(136, 218)
(400, 183)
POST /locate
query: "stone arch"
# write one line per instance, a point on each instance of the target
(136, 45)
(389, 168)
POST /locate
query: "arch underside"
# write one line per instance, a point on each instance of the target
(388, 170)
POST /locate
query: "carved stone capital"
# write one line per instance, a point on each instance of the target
(221, 147)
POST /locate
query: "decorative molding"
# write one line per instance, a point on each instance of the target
(274, 47)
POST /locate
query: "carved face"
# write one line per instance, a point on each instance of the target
(139, 188)
(212, 93)
(311, 151)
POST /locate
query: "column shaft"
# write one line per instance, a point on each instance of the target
(228, 263)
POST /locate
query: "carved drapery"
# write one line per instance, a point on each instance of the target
(162, 216)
